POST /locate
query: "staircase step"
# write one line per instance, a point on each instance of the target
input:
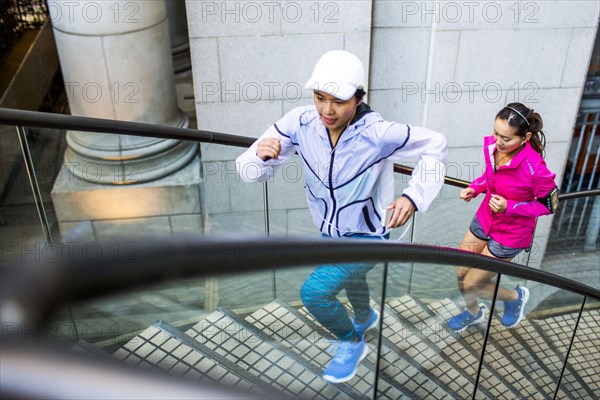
(515, 350)
(584, 361)
(498, 375)
(304, 338)
(463, 360)
(551, 359)
(163, 347)
(279, 349)
(407, 362)
(264, 357)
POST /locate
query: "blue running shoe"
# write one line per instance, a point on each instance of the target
(344, 364)
(370, 323)
(465, 319)
(513, 310)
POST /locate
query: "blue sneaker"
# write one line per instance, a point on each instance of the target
(370, 323)
(465, 319)
(513, 310)
(344, 364)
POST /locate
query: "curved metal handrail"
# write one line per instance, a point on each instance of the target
(37, 289)
(575, 195)
(9, 116)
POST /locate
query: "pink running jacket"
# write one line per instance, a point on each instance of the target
(521, 182)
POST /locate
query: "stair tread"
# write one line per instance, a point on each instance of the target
(583, 359)
(279, 348)
(286, 325)
(497, 368)
(422, 326)
(156, 349)
(399, 368)
(263, 357)
(516, 350)
(551, 359)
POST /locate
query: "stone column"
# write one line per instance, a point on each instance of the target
(116, 63)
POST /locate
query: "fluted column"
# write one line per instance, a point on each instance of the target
(116, 62)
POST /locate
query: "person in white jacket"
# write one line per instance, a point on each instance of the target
(347, 152)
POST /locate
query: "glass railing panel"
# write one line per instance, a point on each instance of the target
(264, 346)
(444, 360)
(288, 207)
(574, 240)
(110, 322)
(419, 357)
(527, 353)
(204, 197)
(232, 207)
(229, 205)
(582, 372)
(23, 231)
(444, 224)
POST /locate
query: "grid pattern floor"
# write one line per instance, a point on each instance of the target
(155, 349)
(552, 361)
(304, 338)
(397, 364)
(470, 342)
(516, 352)
(261, 358)
(584, 359)
(282, 349)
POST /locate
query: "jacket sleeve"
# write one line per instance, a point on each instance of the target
(431, 149)
(479, 184)
(251, 168)
(542, 184)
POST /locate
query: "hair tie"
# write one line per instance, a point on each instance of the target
(521, 115)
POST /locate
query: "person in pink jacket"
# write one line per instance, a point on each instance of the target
(518, 188)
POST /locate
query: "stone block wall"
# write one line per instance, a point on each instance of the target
(452, 65)
(91, 212)
(447, 65)
(250, 63)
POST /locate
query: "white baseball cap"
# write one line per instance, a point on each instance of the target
(338, 73)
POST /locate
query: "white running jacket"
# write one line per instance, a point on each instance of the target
(348, 186)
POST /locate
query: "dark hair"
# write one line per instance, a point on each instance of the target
(525, 120)
(359, 94)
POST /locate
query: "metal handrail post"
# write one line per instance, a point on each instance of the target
(267, 233)
(39, 203)
(486, 337)
(380, 335)
(562, 371)
(35, 188)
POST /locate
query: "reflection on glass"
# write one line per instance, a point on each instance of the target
(203, 198)
(260, 345)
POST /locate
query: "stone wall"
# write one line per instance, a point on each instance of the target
(250, 63)
(449, 66)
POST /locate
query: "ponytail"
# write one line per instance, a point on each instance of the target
(538, 139)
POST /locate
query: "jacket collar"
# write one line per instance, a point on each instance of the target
(517, 159)
(364, 118)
